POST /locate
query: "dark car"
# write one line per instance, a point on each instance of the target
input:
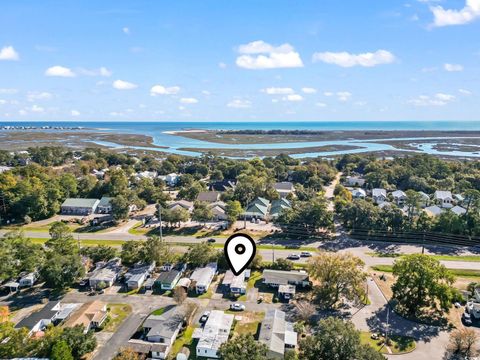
(211, 240)
(466, 319)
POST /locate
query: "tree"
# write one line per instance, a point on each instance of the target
(99, 253)
(243, 347)
(200, 254)
(128, 354)
(202, 212)
(233, 210)
(305, 310)
(175, 216)
(462, 342)
(336, 340)
(154, 250)
(338, 275)
(179, 295)
(282, 264)
(421, 283)
(61, 240)
(61, 271)
(120, 207)
(61, 351)
(79, 342)
(131, 252)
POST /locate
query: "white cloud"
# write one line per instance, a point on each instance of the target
(188, 100)
(465, 92)
(8, 53)
(360, 103)
(3, 102)
(35, 95)
(75, 113)
(126, 30)
(162, 90)
(439, 99)
(309, 90)
(22, 112)
(206, 93)
(124, 85)
(278, 91)
(222, 65)
(346, 59)
(321, 104)
(239, 104)
(37, 109)
(103, 71)
(59, 71)
(8, 91)
(328, 93)
(343, 95)
(447, 17)
(453, 67)
(293, 97)
(116, 114)
(261, 55)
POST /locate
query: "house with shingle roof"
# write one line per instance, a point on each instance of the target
(277, 334)
(91, 315)
(399, 197)
(258, 209)
(284, 188)
(208, 196)
(76, 206)
(379, 196)
(278, 206)
(443, 199)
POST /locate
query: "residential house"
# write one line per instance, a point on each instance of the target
(233, 284)
(213, 334)
(146, 175)
(275, 278)
(358, 193)
(4, 168)
(385, 204)
(424, 199)
(459, 199)
(277, 334)
(163, 329)
(258, 209)
(75, 206)
(181, 204)
(433, 210)
(222, 186)
(91, 315)
(136, 276)
(286, 292)
(354, 181)
(105, 274)
(399, 197)
(458, 210)
(443, 199)
(54, 312)
(104, 206)
(219, 210)
(202, 277)
(284, 188)
(379, 196)
(473, 306)
(28, 280)
(171, 179)
(167, 280)
(278, 206)
(208, 196)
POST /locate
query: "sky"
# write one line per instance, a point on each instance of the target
(239, 60)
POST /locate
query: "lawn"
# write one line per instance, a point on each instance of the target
(158, 312)
(86, 242)
(184, 340)
(116, 314)
(466, 258)
(254, 277)
(399, 344)
(246, 322)
(457, 272)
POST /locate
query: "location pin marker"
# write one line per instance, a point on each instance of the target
(239, 251)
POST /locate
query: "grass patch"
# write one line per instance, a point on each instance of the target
(116, 314)
(184, 340)
(254, 277)
(398, 344)
(159, 312)
(466, 258)
(138, 230)
(457, 272)
(86, 242)
(248, 322)
(206, 295)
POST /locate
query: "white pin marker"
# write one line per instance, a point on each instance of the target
(239, 251)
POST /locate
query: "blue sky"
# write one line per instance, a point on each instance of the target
(218, 60)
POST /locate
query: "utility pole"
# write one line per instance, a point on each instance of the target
(160, 221)
(423, 242)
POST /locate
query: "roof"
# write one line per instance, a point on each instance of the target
(138, 272)
(358, 192)
(440, 195)
(167, 324)
(183, 203)
(398, 194)
(105, 201)
(88, 312)
(424, 195)
(45, 313)
(275, 332)
(261, 201)
(385, 204)
(108, 272)
(284, 289)
(458, 210)
(256, 209)
(216, 330)
(167, 277)
(83, 203)
(379, 192)
(282, 277)
(208, 196)
(222, 185)
(284, 186)
(234, 281)
(433, 210)
(205, 274)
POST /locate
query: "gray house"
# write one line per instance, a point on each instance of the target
(277, 334)
(75, 206)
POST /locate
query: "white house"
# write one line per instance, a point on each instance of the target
(443, 199)
(399, 197)
(181, 204)
(358, 193)
(379, 196)
(136, 276)
(458, 210)
(202, 277)
(433, 210)
(235, 285)
(284, 188)
(219, 210)
(277, 334)
(106, 274)
(28, 280)
(214, 334)
(354, 181)
(425, 199)
(275, 278)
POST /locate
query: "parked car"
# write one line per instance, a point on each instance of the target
(237, 307)
(293, 257)
(204, 317)
(466, 319)
(306, 254)
(211, 240)
(457, 305)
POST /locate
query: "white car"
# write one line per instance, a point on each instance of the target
(237, 307)
(293, 257)
(306, 254)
